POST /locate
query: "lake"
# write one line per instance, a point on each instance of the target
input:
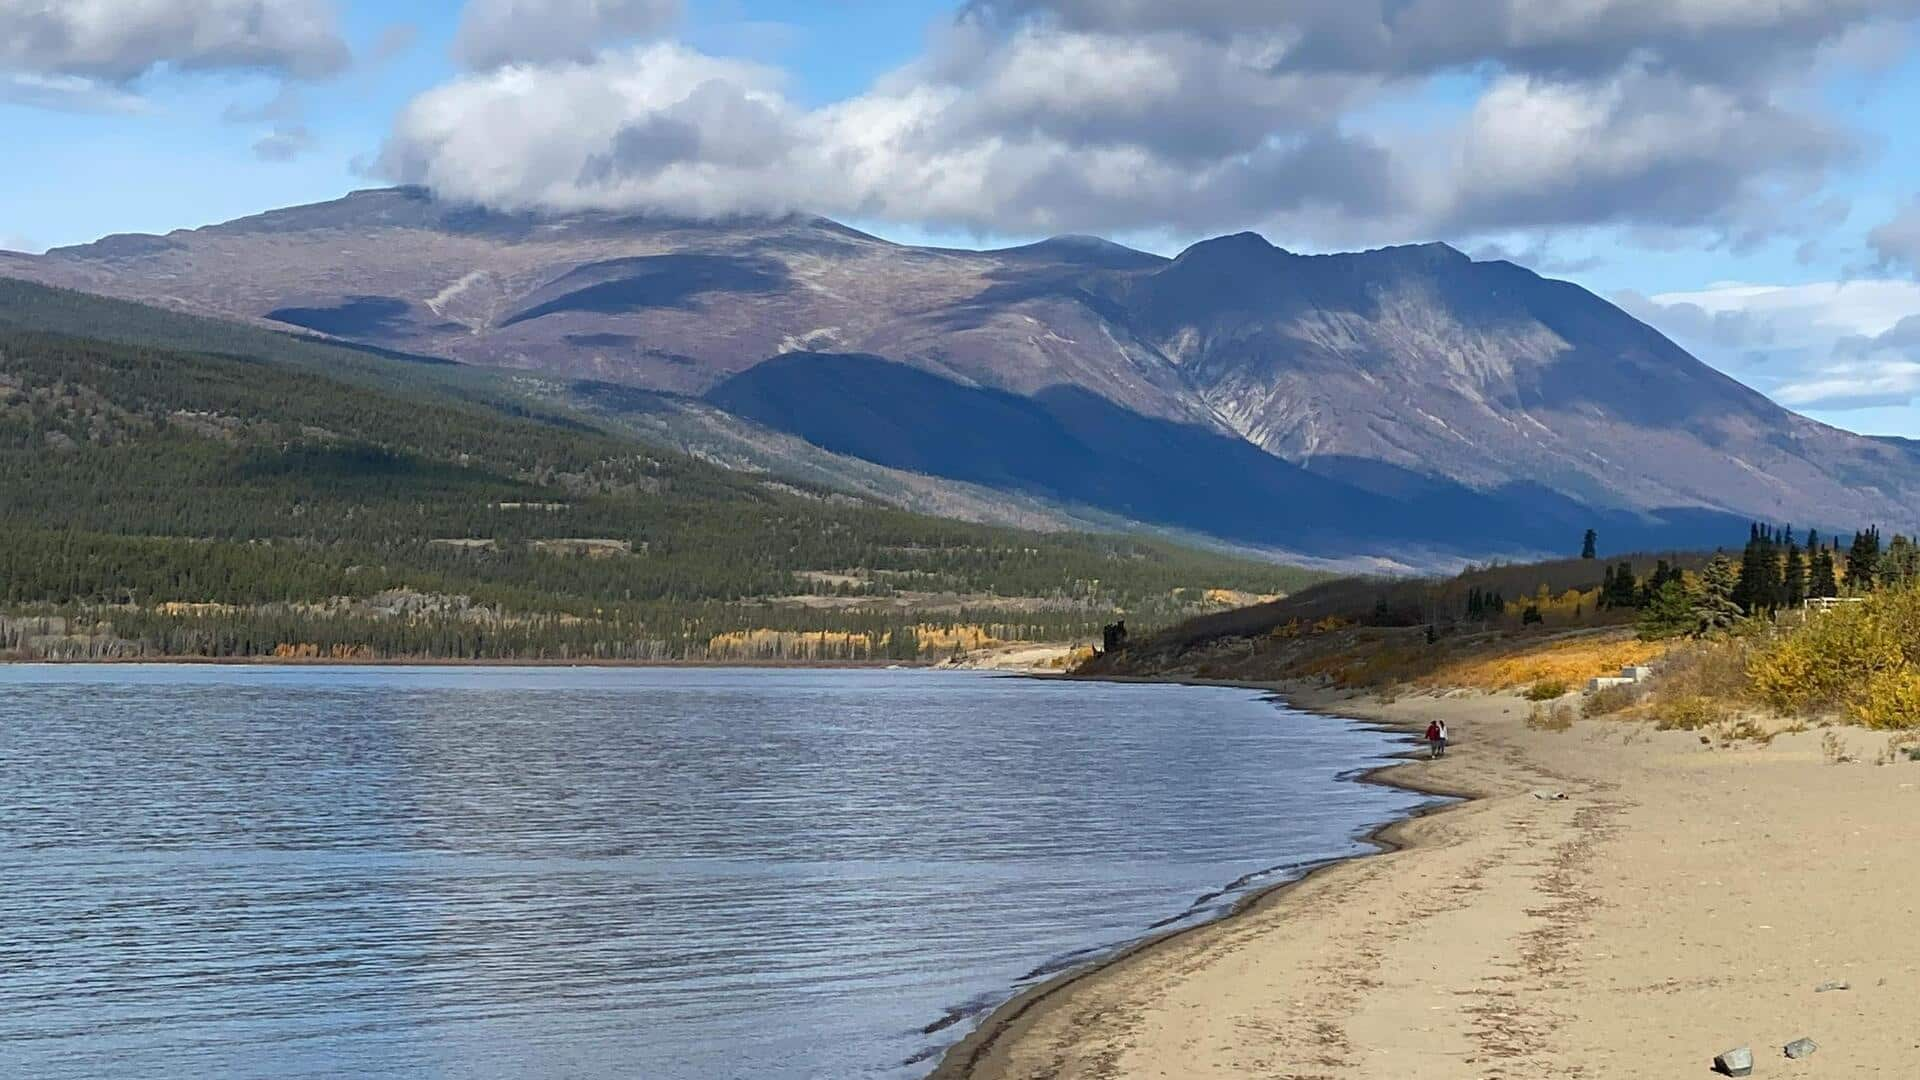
(528, 873)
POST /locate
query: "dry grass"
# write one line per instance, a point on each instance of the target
(1711, 669)
(1570, 662)
(1687, 712)
(1415, 602)
(1548, 690)
(1834, 749)
(1738, 730)
(1612, 700)
(1544, 717)
(1552, 664)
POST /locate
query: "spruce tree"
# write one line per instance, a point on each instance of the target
(1622, 592)
(1863, 561)
(1590, 548)
(1663, 572)
(1714, 607)
(1668, 613)
(1796, 575)
(1820, 581)
(1762, 582)
(1750, 591)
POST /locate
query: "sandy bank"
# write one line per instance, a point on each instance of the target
(1682, 899)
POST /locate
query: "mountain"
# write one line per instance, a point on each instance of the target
(687, 425)
(219, 490)
(1397, 400)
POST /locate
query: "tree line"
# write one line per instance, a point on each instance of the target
(135, 477)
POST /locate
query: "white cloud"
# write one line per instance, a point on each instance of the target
(1833, 346)
(495, 33)
(117, 41)
(1131, 116)
(67, 93)
(1636, 148)
(1720, 40)
(1866, 383)
(657, 126)
(1812, 312)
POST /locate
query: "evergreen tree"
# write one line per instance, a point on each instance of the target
(1669, 613)
(1796, 575)
(1748, 584)
(1762, 584)
(1620, 590)
(1863, 561)
(903, 644)
(1714, 606)
(1531, 615)
(1820, 579)
(1590, 548)
(1663, 572)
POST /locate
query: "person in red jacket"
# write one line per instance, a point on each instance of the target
(1436, 742)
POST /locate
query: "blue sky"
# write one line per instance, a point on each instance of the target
(1742, 176)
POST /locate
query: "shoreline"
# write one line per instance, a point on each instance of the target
(1605, 900)
(963, 1059)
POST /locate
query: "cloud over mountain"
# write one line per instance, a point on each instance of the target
(1341, 121)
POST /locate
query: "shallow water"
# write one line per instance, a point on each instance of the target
(516, 873)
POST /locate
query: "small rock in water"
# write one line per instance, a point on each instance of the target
(1735, 1062)
(1800, 1048)
(1826, 986)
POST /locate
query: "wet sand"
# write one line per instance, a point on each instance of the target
(1681, 900)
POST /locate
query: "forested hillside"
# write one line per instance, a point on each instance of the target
(240, 502)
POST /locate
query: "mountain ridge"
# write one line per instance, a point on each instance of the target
(1404, 372)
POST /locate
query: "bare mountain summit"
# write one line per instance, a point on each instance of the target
(1406, 395)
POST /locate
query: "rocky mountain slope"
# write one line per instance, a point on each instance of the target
(1397, 397)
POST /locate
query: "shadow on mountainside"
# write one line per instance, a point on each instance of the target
(1071, 445)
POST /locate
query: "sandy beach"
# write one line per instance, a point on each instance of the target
(1682, 899)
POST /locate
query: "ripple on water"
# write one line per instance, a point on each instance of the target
(284, 873)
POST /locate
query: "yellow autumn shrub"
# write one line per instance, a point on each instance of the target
(1828, 662)
(1688, 712)
(1891, 701)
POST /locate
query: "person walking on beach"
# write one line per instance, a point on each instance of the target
(1443, 737)
(1435, 739)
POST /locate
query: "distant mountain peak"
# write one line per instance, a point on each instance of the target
(1435, 253)
(1083, 250)
(1238, 245)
